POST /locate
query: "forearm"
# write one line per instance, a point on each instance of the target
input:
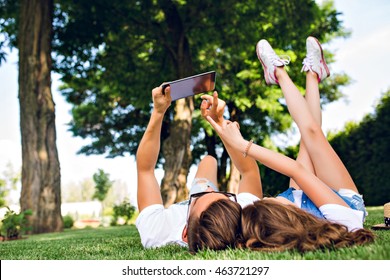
(244, 165)
(250, 174)
(269, 158)
(311, 185)
(149, 147)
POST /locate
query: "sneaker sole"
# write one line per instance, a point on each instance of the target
(266, 75)
(322, 56)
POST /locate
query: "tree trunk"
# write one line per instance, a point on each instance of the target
(40, 168)
(234, 179)
(176, 148)
(177, 154)
(223, 176)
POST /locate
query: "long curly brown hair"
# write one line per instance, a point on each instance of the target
(271, 226)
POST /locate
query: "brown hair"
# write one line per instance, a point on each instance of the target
(271, 226)
(217, 228)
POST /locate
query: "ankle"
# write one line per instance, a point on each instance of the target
(280, 72)
(311, 75)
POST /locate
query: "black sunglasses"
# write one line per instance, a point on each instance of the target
(231, 196)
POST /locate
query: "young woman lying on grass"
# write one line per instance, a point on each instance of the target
(322, 208)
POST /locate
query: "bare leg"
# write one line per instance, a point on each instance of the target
(312, 98)
(304, 159)
(327, 165)
(208, 169)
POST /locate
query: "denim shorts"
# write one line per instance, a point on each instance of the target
(353, 199)
(201, 184)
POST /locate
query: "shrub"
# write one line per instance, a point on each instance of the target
(124, 210)
(68, 221)
(13, 225)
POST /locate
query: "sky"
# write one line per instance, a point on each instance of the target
(364, 56)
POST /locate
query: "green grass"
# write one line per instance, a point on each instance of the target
(123, 243)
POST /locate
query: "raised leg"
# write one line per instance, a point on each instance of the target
(312, 98)
(327, 164)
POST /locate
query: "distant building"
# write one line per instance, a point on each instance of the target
(82, 210)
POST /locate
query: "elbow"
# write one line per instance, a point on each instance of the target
(296, 171)
(142, 164)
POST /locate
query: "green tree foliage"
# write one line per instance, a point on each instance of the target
(110, 54)
(123, 210)
(3, 193)
(8, 182)
(274, 182)
(8, 26)
(365, 150)
(102, 184)
(110, 66)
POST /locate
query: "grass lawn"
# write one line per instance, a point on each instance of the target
(123, 243)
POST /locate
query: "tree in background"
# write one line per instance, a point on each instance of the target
(118, 193)
(110, 66)
(27, 24)
(8, 183)
(102, 186)
(3, 193)
(365, 150)
(80, 192)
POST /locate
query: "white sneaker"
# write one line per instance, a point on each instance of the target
(270, 60)
(315, 60)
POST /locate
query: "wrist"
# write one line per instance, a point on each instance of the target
(158, 113)
(247, 145)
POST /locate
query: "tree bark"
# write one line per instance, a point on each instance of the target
(177, 154)
(41, 186)
(234, 179)
(176, 148)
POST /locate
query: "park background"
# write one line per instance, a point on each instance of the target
(364, 56)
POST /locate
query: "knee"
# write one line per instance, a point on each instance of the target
(314, 130)
(210, 160)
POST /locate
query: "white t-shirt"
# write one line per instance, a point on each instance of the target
(158, 226)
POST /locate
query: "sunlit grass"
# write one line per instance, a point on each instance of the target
(123, 243)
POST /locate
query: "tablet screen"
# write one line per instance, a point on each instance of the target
(192, 85)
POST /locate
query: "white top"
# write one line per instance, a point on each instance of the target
(158, 226)
(352, 219)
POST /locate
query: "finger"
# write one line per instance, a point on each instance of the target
(168, 94)
(213, 123)
(237, 124)
(167, 90)
(156, 91)
(207, 97)
(203, 108)
(215, 98)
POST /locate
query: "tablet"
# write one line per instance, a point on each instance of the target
(191, 85)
